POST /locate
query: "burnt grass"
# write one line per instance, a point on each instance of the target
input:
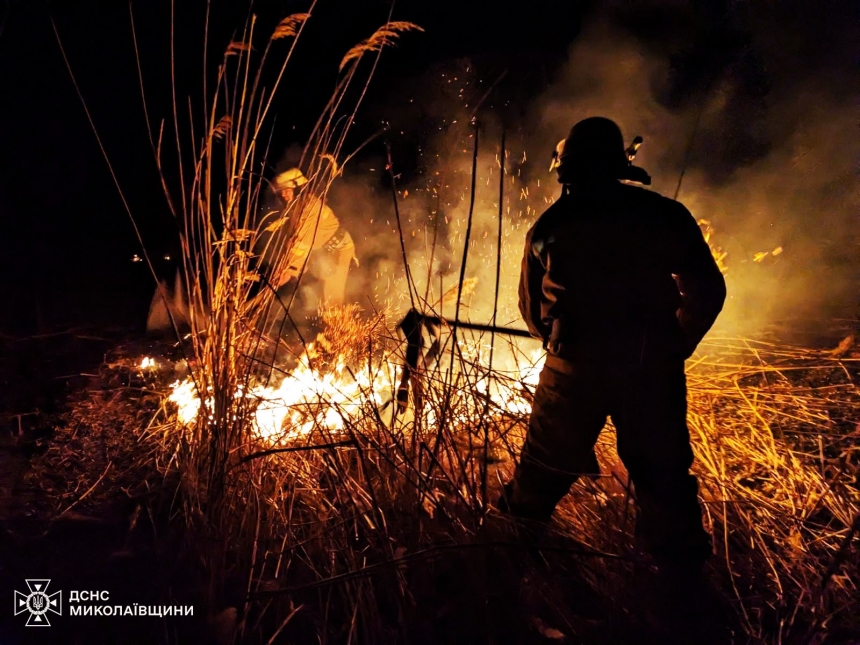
(83, 505)
(69, 422)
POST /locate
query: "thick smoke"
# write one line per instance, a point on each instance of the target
(788, 184)
(765, 135)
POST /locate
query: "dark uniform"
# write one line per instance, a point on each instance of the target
(621, 285)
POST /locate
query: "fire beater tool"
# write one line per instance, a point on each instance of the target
(423, 341)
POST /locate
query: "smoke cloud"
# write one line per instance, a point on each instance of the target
(767, 165)
(762, 124)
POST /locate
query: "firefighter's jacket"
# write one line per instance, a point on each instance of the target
(308, 225)
(613, 271)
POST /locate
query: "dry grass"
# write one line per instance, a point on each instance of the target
(344, 529)
(354, 524)
(217, 203)
(385, 36)
(774, 430)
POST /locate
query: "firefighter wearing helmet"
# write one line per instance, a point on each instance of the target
(318, 240)
(620, 285)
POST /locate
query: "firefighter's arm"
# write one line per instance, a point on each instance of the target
(530, 290)
(700, 281)
(296, 258)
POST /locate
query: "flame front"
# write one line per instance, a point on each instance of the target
(329, 400)
(184, 396)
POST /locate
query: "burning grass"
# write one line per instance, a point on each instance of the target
(351, 520)
(343, 516)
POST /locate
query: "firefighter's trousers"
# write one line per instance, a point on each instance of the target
(648, 407)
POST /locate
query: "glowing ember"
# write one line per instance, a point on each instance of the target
(148, 363)
(761, 255)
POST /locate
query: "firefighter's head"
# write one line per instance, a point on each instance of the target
(594, 151)
(288, 182)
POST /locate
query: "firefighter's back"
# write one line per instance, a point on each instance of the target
(609, 252)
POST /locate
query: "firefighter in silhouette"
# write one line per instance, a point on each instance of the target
(621, 286)
(318, 240)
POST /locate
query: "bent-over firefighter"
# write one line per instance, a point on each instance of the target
(319, 241)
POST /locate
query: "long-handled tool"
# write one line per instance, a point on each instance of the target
(423, 331)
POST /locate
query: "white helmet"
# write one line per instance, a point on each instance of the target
(292, 178)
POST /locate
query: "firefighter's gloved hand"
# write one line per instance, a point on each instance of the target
(286, 276)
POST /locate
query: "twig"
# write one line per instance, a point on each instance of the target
(283, 624)
(487, 93)
(89, 490)
(275, 451)
(390, 166)
(840, 556)
(690, 142)
(468, 237)
(484, 465)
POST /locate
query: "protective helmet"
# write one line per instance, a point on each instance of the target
(595, 149)
(292, 178)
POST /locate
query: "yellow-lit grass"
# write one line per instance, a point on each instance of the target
(775, 454)
(217, 199)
